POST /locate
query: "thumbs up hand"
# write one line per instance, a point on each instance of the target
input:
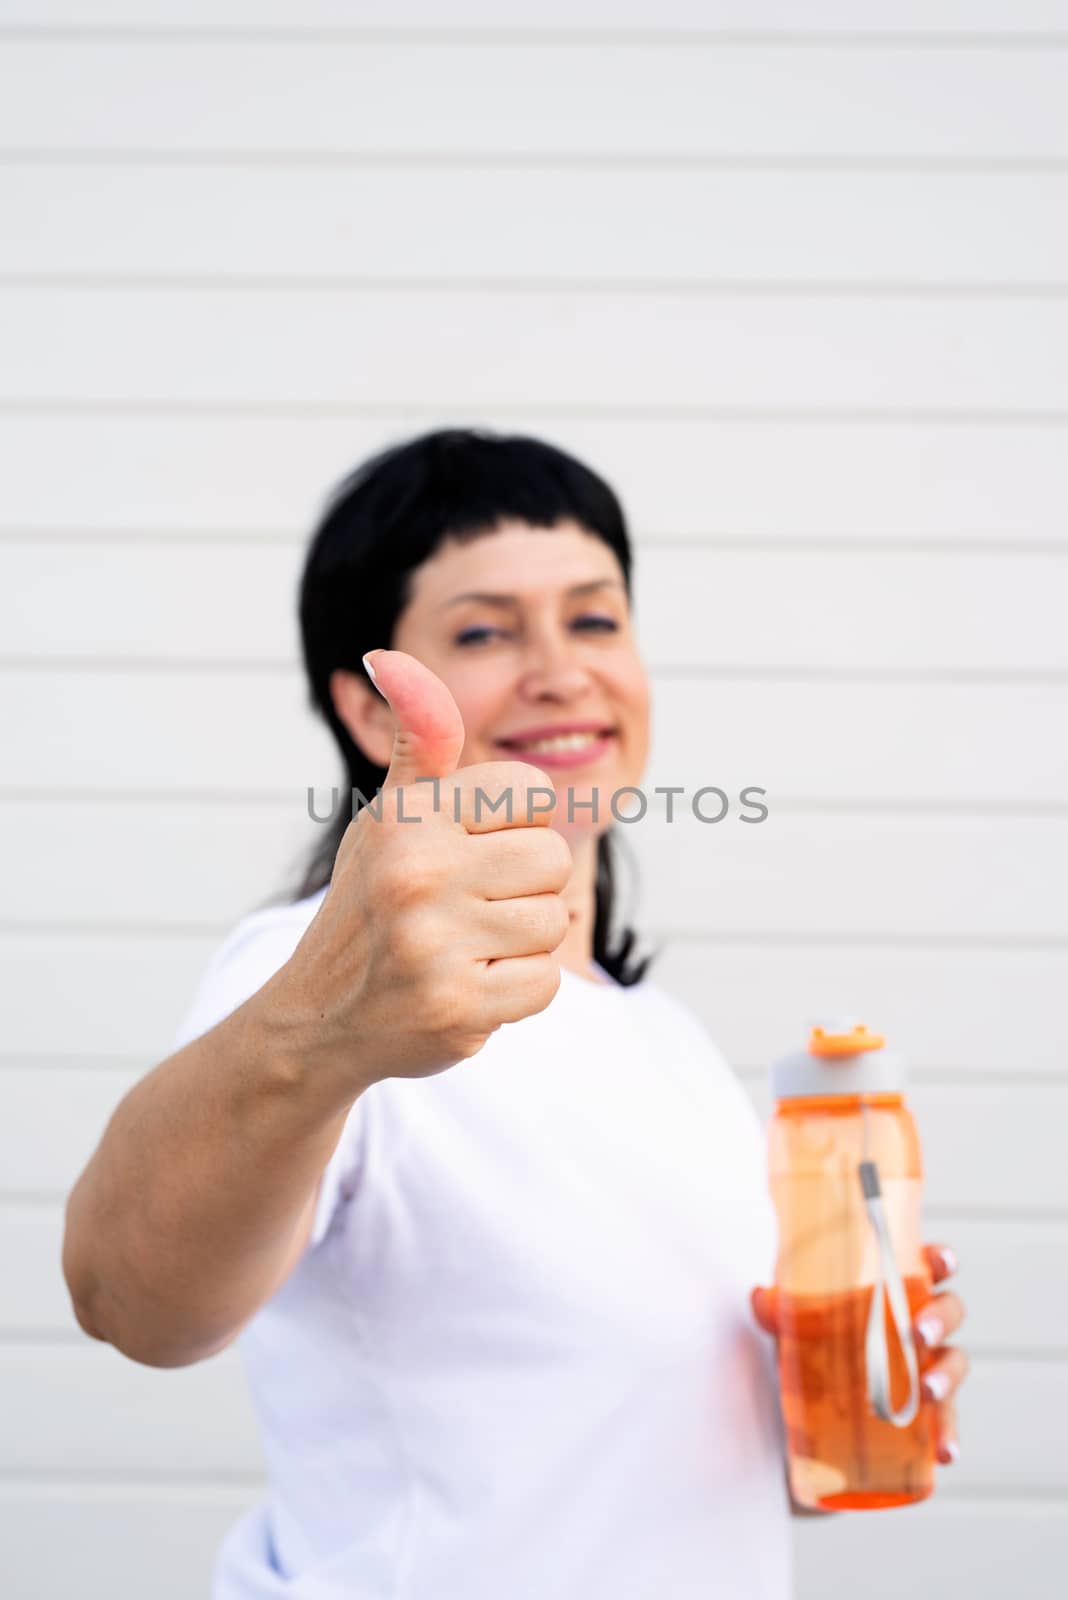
(445, 906)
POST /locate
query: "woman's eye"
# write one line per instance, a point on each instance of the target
(591, 623)
(475, 635)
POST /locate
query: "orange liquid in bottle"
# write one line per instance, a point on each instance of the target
(833, 1435)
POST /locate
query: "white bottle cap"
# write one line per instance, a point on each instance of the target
(842, 1057)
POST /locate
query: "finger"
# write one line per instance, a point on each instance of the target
(942, 1260)
(937, 1318)
(428, 730)
(763, 1304)
(531, 925)
(518, 986)
(519, 861)
(947, 1436)
(944, 1376)
(493, 795)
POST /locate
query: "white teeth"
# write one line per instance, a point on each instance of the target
(563, 741)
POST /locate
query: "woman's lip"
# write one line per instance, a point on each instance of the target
(562, 758)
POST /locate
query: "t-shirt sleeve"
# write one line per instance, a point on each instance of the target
(251, 954)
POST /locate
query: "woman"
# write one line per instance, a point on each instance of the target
(486, 1204)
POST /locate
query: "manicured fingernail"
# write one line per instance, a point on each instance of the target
(370, 670)
(937, 1385)
(949, 1451)
(949, 1258)
(930, 1330)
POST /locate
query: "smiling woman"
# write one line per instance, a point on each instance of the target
(531, 630)
(492, 1283)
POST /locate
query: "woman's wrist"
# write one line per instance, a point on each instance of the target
(292, 1057)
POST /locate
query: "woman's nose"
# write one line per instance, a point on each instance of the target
(553, 667)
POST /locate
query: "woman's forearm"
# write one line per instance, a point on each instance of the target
(199, 1198)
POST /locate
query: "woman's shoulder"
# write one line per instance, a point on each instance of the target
(674, 1012)
(687, 1036)
(252, 951)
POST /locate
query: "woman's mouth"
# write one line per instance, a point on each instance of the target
(562, 749)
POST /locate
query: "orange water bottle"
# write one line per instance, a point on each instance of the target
(846, 1179)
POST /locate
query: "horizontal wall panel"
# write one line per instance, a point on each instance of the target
(33, 1294)
(946, 1010)
(131, 1539)
(231, 602)
(95, 1412)
(339, 348)
(683, 226)
(1015, 1298)
(122, 996)
(955, 1011)
(921, 741)
(58, 1113)
(939, 1546)
(848, 612)
(173, 732)
(57, 1117)
(199, 865)
(190, 476)
(411, 96)
(967, 18)
(108, 865)
(880, 874)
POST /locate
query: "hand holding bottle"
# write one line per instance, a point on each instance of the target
(945, 1366)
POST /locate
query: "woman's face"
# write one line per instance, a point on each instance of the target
(531, 631)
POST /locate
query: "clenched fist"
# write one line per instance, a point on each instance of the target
(445, 905)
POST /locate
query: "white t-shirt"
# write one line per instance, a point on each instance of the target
(517, 1360)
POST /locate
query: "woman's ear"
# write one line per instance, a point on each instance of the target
(364, 713)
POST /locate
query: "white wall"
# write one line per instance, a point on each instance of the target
(795, 277)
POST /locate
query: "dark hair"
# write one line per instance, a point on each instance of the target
(381, 523)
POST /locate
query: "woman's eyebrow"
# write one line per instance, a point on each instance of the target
(511, 599)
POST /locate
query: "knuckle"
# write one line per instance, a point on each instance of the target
(451, 1013)
(543, 917)
(531, 776)
(490, 783)
(549, 983)
(533, 992)
(559, 920)
(520, 773)
(469, 1044)
(411, 876)
(558, 857)
(512, 916)
(520, 778)
(411, 941)
(441, 1008)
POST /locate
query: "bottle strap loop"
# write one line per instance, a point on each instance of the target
(888, 1283)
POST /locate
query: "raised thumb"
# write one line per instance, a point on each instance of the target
(428, 731)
